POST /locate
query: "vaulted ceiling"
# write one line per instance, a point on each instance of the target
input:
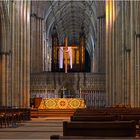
(69, 17)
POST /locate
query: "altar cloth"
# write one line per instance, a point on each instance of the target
(62, 103)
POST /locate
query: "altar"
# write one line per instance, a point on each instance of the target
(62, 103)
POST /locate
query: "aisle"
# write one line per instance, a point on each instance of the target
(37, 128)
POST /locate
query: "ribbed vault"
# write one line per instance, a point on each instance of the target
(69, 17)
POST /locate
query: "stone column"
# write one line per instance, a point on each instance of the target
(108, 52)
(44, 50)
(36, 43)
(122, 53)
(28, 4)
(20, 33)
(4, 53)
(33, 43)
(136, 60)
(101, 42)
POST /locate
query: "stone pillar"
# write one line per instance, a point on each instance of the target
(33, 44)
(101, 43)
(36, 43)
(135, 68)
(4, 53)
(45, 49)
(122, 53)
(108, 54)
(20, 59)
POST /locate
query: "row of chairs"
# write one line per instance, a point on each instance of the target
(12, 117)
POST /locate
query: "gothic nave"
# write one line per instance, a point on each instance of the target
(104, 43)
(58, 54)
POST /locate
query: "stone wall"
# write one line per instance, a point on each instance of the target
(90, 86)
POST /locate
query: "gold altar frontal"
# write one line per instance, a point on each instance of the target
(62, 103)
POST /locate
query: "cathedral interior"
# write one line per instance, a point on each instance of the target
(54, 50)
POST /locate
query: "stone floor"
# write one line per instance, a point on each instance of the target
(37, 128)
